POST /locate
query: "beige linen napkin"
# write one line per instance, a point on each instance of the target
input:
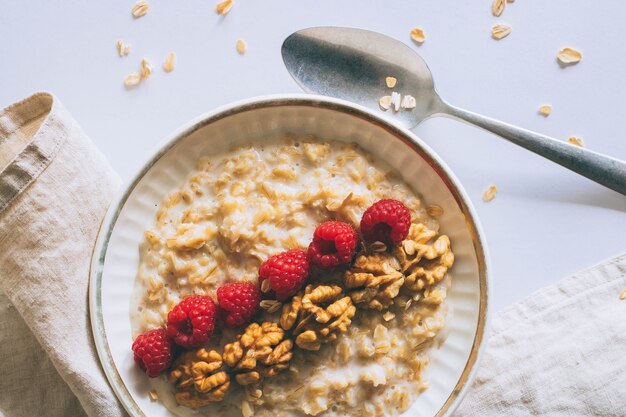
(55, 187)
(560, 352)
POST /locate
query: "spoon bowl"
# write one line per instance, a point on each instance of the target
(350, 64)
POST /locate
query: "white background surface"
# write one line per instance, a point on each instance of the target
(545, 222)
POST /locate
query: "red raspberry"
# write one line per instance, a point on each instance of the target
(240, 301)
(334, 244)
(386, 221)
(191, 322)
(153, 352)
(286, 272)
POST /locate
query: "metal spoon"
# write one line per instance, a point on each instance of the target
(352, 64)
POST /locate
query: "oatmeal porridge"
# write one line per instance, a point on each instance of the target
(351, 340)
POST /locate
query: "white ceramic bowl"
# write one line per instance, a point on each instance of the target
(116, 255)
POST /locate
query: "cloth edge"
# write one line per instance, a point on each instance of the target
(575, 285)
(41, 150)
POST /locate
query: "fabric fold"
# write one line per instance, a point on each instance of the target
(55, 188)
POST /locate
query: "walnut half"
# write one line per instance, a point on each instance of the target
(376, 280)
(198, 378)
(261, 351)
(317, 315)
(424, 263)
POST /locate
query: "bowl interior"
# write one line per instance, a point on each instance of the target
(117, 258)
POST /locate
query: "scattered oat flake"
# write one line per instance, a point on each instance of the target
(170, 62)
(434, 210)
(224, 7)
(140, 8)
(123, 49)
(132, 80)
(417, 35)
(500, 31)
(146, 69)
(497, 7)
(153, 395)
(574, 140)
(384, 102)
(545, 109)
(622, 295)
(569, 56)
(391, 82)
(242, 46)
(490, 193)
(265, 286)
(408, 102)
(396, 100)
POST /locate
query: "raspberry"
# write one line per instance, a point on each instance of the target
(191, 322)
(239, 301)
(153, 352)
(286, 273)
(387, 221)
(334, 244)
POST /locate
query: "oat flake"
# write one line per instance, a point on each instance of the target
(132, 80)
(388, 316)
(396, 100)
(497, 7)
(569, 56)
(408, 102)
(123, 49)
(270, 306)
(500, 31)
(391, 82)
(384, 102)
(224, 7)
(622, 295)
(490, 193)
(574, 140)
(140, 8)
(170, 62)
(242, 46)
(434, 210)
(246, 409)
(545, 109)
(146, 69)
(417, 35)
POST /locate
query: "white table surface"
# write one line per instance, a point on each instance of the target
(545, 222)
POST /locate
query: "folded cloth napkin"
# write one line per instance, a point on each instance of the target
(55, 187)
(560, 352)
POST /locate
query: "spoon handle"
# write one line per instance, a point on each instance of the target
(602, 169)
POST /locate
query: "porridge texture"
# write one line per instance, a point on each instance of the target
(354, 341)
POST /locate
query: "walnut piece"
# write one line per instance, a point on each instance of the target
(198, 378)
(318, 313)
(376, 279)
(423, 263)
(261, 351)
